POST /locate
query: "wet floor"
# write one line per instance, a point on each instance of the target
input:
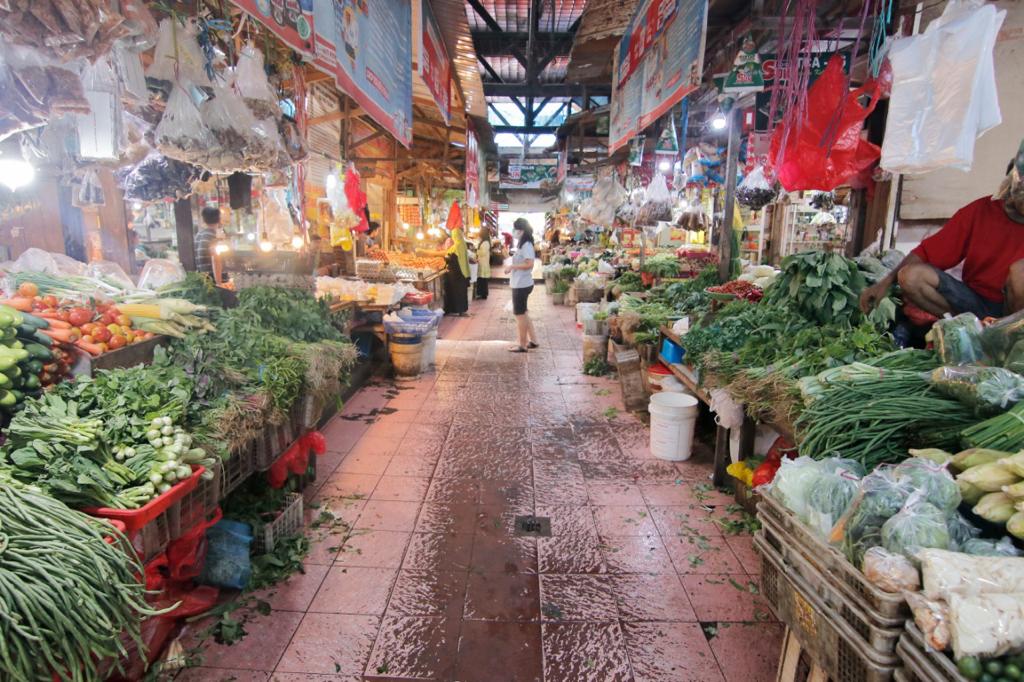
(501, 520)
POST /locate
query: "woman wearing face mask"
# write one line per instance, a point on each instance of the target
(521, 279)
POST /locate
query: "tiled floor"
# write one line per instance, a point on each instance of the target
(636, 581)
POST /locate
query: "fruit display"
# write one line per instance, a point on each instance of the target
(413, 262)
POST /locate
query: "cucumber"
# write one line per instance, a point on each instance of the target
(33, 322)
(37, 351)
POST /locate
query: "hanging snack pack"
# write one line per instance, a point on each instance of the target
(182, 134)
(177, 57)
(251, 81)
(755, 192)
(242, 143)
(157, 177)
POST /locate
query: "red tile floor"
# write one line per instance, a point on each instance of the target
(636, 581)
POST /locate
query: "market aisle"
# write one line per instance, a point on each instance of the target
(636, 581)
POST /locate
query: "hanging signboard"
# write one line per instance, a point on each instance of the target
(658, 62)
(518, 175)
(563, 165)
(291, 21)
(367, 47)
(434, 67)
(472, 166)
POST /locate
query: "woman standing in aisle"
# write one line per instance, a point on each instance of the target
(456, 294)
(483, 257)
(521, 279)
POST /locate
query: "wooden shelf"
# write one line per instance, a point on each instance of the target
(686, 376)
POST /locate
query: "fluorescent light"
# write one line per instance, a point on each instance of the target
(15, 173)
(719, 122)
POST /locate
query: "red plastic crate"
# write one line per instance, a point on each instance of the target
(135, 519)
(419, 298)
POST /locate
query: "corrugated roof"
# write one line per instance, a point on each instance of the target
(454, 25)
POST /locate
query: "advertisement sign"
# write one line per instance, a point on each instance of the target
(435, 68)
(289, 20)
(472, 166)
(519, 175)
(367, 47)
(649, 20)
(651, 80)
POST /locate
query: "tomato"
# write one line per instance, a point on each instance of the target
(80, 317)
(64, 316)
(117, 341)
(108, 318)
(114, 329)
(28, 290)
(88, 339)
(102, 307)
(88, 327)
(764, 473)
(101, 334)
(124, 320)
(50, 301)
(103, 347)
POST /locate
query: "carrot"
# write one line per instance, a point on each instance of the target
(93, 349)
(60, 335)
(19, 303)
(54, 320)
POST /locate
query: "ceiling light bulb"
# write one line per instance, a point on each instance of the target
(15, 173)
(297, 241)
(221, 248)
(266, 246)
(251, 236)
(569, 196)
(137, 205)
(719, 122)
(665, 166)
(419, 235)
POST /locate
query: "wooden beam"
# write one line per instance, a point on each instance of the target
(332, 116)
(366, 140)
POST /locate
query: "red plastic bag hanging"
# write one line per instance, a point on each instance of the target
(827, 150)
(356, 198)
(454, 216)
(187, 554)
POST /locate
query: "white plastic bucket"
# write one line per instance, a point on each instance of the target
(673, 416)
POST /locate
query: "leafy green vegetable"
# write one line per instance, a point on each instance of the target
(289, 312)
(823, 287)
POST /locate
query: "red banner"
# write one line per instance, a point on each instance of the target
(435, 68)
(647, 24)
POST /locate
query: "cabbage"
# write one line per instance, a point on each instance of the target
(919, 525)
(933, 480)
(829, 500)
(986, 547)
(793, 483)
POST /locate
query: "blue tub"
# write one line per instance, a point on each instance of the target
(672, 352)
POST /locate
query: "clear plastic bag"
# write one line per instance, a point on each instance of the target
(986, 625)
(881, 496)
(110, 273)
(890, 572)
(999, 339)
(182, 134)
(159, 272)
(227, 555)
(755, 192)
(177, 56)
(253, 86)
(793, 483)
(986, 547)
(829, 499)
(946, 573)
(933, 481)
(932, 617)
(157, 177)
(961, 532)
(919, 525)
(958, 339)
(240, 147)
(142, 28)
(988, 389)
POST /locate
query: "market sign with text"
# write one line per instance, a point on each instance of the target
(770, 67)
(518, 175)
(435, 68)
(291, 21)
(649, 20)
(367, 47)
(651, 79)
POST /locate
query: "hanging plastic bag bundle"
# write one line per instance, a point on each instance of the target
(181, 133)
(241, 147)
(177, 56)
(943, 91)
(253, 85)
(755, 192)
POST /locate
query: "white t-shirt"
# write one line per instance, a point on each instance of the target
(520, 279)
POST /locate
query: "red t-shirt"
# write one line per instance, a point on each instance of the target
(987, 241)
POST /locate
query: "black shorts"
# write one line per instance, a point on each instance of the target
(519, 297)
(963, 299)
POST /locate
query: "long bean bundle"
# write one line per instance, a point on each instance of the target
(875, 420)
(66, 595)
(1003, 432)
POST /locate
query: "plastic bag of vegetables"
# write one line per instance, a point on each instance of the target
(988, 389)
(919, 525)
(958, 339)
(933, 480)
(830, 498)
(961, 531)
(987, 547)
(1000, 337)
(880, 497)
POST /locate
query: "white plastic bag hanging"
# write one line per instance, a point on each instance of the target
(181, 133)
(177, 55)
(944, 90)
(159, 272)
(251, 81)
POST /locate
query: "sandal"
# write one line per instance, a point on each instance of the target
(516, 349)
(532, 345)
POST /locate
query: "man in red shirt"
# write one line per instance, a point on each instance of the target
(987, 236)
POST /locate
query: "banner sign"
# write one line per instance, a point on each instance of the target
(472, 166)
(667, 68)
(367, 47)
(435, 68)
(649, 20)
(518, 175)
(292, 22)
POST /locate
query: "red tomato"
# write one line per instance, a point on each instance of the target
(80, 317)
(109, 317)
(88, 339)
(50, 301)
(64, 316)
(101, 334)
(117, 341)
(124, 320)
